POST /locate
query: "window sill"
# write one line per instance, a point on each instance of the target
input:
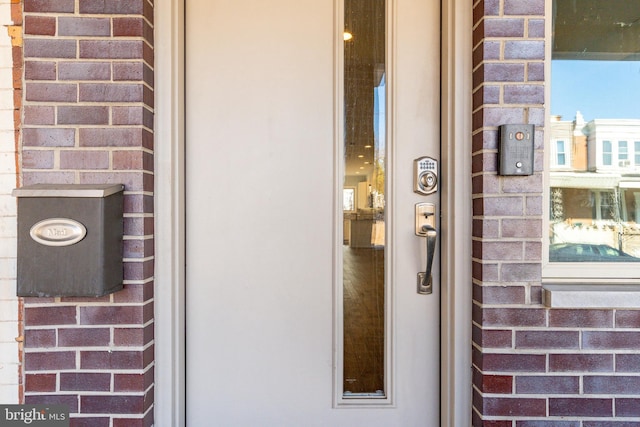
(591, 296)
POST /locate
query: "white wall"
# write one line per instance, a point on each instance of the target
(8, 301)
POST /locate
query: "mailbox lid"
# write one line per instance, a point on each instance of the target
(68, 190)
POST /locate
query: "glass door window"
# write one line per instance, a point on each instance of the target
(364, 250)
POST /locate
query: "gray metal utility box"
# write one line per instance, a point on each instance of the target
(69, 239)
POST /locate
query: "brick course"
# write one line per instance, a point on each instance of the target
(89, 119)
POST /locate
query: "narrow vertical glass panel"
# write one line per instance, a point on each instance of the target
(364, 250)
(594, 192)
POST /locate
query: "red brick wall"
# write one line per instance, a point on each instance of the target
(88, 118)
(532, 366)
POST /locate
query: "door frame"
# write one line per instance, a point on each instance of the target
(169, 195)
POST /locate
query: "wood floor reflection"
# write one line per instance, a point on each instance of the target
(363, 320)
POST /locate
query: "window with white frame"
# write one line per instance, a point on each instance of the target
(623, 154)
(607, 153)
(594, 199)
(561, 155)
(605, 207)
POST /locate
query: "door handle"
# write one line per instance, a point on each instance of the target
(425, 227)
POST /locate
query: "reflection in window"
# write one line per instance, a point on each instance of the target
(560, 155)
(594, 176)
(623, 153)
(364, 249)
(607, 153)
(349, 199)
(605, 206)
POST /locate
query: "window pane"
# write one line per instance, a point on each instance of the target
(364, 249)
(348, 199)
(595, 198)
(606, 153)
(560, 157)
(623, 153)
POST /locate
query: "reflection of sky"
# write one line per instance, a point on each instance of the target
(598, 89)
(379, 115)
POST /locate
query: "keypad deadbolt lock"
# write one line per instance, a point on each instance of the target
(425, 175)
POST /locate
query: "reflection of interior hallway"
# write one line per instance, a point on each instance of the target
(363, 319)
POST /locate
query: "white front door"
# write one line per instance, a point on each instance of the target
(280, 217)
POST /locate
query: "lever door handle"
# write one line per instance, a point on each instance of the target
(425, 285)
(425, 227)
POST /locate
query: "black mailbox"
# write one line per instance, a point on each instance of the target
(69, 239)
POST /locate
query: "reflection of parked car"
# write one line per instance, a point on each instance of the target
(587, 252)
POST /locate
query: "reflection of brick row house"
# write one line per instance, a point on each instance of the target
(595, 181)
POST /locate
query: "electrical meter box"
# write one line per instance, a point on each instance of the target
(69, 240)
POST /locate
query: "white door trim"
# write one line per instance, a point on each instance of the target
(456, 294)
(169, 214)
(169, 191)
